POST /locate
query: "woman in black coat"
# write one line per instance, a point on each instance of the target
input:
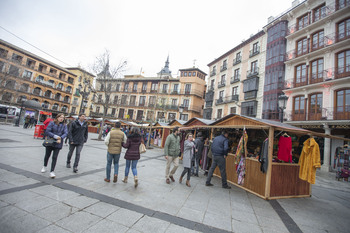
(56, 129)
(132, 155)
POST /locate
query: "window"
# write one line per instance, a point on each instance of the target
(189, 74)
(115, 101)
(236, 75)
(144, 87)
(194, 74)
(249, 108)
(255, 49)
(42, 68)
(30, 63)
(113, 111)
(17, 58)
(185, 74)
(212, 84)
(186, 103)
(154, 87)
(132, 100)
(319, 13)
(302, 46)
(340, 4)
(117, 88)
(14, 70)
(251, 84)
(219, 113)
(300, 75)
(299, 108)
(222, 80)
(224, 65)
(342, 107)
(174, 102)
(302, 21)
(109, 87)
(316, 71)
(130, 114)
(343, 64)
(343, 29)
(3, 53)
(317, 40)
(27, 74)
(165, 88)
(152, 100)
(233, 110)
(102, 87)
(187, 89)
(315, 106)
(134, 88)
(126, 87)
(234, 90)
(123, 101)
(121, 113)
(238, 57)
(254, 67)
(176, 88)
(184, 117)
(142, 101)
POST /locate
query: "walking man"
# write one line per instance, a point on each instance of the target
(199, 146)
(172, 152)
(219, 150)
(114, 141)
(78, 135)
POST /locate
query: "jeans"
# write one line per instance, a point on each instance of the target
(133, 164)
(188, 171)
(115, 159)
(196, 166)
(221, 162)
(77, 153)
(48, 151)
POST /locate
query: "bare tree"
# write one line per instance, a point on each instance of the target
(105, 75)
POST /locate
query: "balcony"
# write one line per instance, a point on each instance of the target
(318, 114)
(250, 95)
(219, 101)
(124, 103)
(223, 67)
(209, 104)
(144, 90)
(235, 79)
(153, 91)
(254, 51)
(212, 73)
(133, 104)
(175, 92)
(187, 92)
(142, 104)
(209, 96)
(221, 84)
(237, 60)
(253, 72)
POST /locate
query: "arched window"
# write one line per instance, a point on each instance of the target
(64, 108)
(55, 106)
(45, 104)
(342, 104)
(48, 94)
(7, 97)
(298, 108)
(37, 91)
(58, 96)
(66, 99)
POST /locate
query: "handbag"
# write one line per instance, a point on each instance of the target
(49, 142)
(142, 148)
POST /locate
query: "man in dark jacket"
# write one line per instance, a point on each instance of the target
(78, 135)
(199, 146)
(219, 149)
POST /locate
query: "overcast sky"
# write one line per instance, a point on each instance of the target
(144, 32)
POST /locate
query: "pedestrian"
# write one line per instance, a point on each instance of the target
(199, 145)
(187, 158)
(57, 130)
(114, 141)
(26, 122)
(132, 154)
(172, 152)
(78, 135)
(31, 122)
(219, 150)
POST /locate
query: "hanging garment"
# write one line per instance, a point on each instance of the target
(264, 156)
(285, 149)
(241, 171)
(204, 158)
(309, 160)
(242, 146)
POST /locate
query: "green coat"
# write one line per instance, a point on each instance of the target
(172, 146)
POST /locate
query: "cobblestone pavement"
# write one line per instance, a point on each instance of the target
(82, 202)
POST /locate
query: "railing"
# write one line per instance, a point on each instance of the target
(227, 99)
(212, 73)
(223, 67)
(175, 92)
(253, 72)
(209, 104)
(318, 114)
(235, 79)
(237, 60)
(124, 103)
(323, 76)
(254, 52)
(219, 101)
(142, 104)
(250, 95)
(221, 84)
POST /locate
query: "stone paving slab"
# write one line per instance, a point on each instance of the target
(83, 202)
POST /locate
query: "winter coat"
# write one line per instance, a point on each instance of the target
(309, 160)
(188, 153)
(172, 146)
(114, 141)
(133, 147)
(199, 144)
(219, 146)
(57, 130)
(78, 134)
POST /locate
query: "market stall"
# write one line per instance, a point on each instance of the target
(178, 123)
(160, 132)
(277, 178)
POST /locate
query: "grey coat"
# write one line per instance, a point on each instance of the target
(188, 153)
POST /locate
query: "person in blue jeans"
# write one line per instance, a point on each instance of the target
(114, 140)
(132, 155)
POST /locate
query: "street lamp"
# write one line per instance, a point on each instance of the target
(282, 102)
(84, 93)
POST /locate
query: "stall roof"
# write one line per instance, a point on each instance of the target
(160, 124)
(204, 121)
(181, 122)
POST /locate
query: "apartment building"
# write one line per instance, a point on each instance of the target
(26, 76)
(236, 80)
(140, 98)
(317, 69)
(83, 91)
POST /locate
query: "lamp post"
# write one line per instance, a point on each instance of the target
(282, 102)
(84, 94)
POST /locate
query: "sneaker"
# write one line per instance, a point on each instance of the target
(52, 175)
(68, 165)
(43, 169)
(75, 170)
(226, 187)
(209, 184)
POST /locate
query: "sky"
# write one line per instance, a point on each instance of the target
(142, 32)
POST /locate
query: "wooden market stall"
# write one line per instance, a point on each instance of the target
(161, 131)
(195, 121)
(281, 180)
(178, 123)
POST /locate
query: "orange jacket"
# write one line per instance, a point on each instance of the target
(310, 159)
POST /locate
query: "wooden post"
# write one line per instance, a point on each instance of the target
(269, 167)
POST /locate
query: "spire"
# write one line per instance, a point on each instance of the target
(165, 72)
(105, 72)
